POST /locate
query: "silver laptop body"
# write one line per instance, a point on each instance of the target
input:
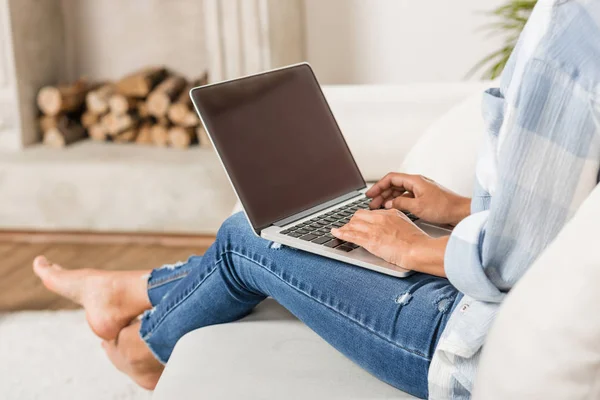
(288, 162)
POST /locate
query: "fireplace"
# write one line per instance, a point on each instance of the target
(51, 42)
(112, 187)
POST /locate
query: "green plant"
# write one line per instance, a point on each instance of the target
(511, 19)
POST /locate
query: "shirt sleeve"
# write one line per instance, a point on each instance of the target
(537, 168)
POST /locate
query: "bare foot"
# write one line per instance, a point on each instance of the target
(130, 354)
(111, 299)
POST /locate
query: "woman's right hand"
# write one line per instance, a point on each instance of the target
(420, 196)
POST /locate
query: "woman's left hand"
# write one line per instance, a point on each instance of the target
(388, 234)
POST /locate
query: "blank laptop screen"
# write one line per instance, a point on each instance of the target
(279, 142)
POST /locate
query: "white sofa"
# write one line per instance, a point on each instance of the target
(272, 355)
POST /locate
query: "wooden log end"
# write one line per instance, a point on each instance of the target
(116, 124)
(177, 113)
(160, 135)
(97, 100)
(144, 135)
(98, 132)
(158, 104)
(54, 139)
(49, 100)
(66, 132)
(120, 104)
(181, 138)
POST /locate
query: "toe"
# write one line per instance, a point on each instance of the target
(40, 265)
(56, 279)
(41, 261)
(44, 268)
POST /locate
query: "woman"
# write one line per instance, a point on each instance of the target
(422, 334)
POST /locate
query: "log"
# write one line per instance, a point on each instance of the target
(160, 134)
(182, 111)
(53, 100)
(142, 109)
(127, 136)
(89, 118)
(140, 83)
(120, 104)
(145, 134)
(190, 120)
(98, 132)
(163, 95)
(47, 122)
(97, 100)
(116, 124)
(203, 138)
(162, 121)
(182, 138)
(64, 133)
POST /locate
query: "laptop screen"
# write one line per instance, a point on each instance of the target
(279, 143)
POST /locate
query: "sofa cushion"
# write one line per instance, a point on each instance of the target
(545, 342)
(447, 151)
(268, 355)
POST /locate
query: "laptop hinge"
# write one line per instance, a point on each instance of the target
(316, 209)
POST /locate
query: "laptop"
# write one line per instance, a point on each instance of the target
(289, 163)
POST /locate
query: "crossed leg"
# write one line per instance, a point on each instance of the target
(112, 302)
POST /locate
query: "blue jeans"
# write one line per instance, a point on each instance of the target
(388, 326)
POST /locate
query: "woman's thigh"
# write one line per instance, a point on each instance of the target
(387, 325)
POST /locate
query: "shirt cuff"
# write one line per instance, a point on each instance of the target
(463, 263)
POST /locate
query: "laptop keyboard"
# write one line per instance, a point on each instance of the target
(318, 229)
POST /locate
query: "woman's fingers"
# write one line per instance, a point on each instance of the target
(393, 180)
(378, 201)
(351, 234)
(387, 195)
(363, 216)
(402, 203)
(358, 229)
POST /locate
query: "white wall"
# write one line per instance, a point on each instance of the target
(396, 41)
(347, 41)
(106, 39)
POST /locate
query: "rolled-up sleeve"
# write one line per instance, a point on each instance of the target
(463, 262)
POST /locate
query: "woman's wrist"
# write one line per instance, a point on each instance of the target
(462, 209)
(426, 255)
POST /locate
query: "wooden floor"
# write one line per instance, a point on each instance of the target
(20, 289)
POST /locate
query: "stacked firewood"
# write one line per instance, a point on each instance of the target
(151, 106)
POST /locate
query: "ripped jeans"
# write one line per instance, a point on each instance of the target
(388, 326)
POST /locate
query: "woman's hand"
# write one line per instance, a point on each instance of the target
(420, 196)
(390, 235)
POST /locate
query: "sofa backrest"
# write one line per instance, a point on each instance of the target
(381, 123)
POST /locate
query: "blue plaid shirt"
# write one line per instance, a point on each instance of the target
(540, 160)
